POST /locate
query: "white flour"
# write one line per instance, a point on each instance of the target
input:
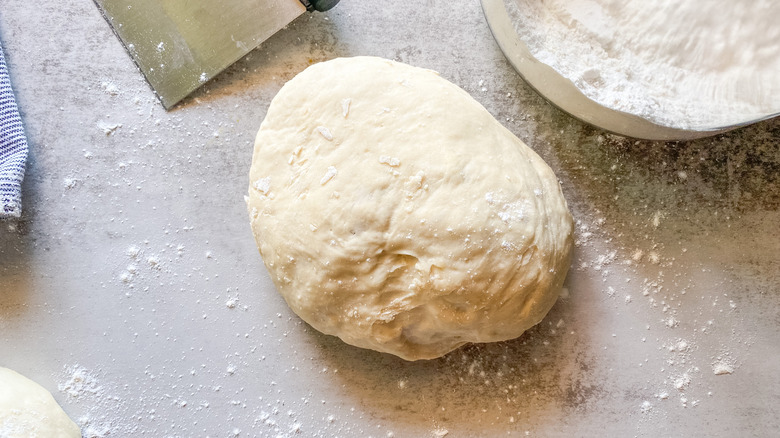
(691, 64)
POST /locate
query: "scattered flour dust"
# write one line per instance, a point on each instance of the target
(108, 128)
(721, 367)
(103, 414)
(440, 432)
(692, 64)
(110, 87)
(70, 183)
(679, 382)
(724, 363)
(80, 383)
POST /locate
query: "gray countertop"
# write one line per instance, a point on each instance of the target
(132, 289)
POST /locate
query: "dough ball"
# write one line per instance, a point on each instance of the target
(393, 211)
(27, 410)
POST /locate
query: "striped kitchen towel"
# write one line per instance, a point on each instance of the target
(13, 148)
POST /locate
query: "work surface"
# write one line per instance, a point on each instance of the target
(132, 289)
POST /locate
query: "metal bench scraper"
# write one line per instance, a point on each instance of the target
(181, 44)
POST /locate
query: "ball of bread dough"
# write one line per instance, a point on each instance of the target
(393, 211)
(27, 410)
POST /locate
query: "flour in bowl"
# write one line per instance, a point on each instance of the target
(695, 64)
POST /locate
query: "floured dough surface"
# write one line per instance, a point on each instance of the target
(393, 211)
(27, 410)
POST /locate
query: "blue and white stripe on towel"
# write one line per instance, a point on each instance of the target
(13, 148)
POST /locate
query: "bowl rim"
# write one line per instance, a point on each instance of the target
(562, 93)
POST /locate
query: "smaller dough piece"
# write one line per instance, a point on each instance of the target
(27, 410)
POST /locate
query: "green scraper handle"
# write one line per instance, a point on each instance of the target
(319, 5)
